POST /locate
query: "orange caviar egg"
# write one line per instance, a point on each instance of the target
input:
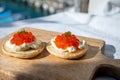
(22, 37)
(66, 40)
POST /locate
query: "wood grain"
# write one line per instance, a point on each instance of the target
(48, 67)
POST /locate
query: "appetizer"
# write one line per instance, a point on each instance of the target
(67, 46)
(23, 44)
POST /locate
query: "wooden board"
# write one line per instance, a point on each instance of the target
(48, 67)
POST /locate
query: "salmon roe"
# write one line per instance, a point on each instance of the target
(66, 40)
(22, 37)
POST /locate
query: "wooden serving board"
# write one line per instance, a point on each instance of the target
(48, 67)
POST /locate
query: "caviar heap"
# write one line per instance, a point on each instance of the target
(22, 37)
(66, 40)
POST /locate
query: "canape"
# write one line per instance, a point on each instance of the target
(23, 44)
(67, 46)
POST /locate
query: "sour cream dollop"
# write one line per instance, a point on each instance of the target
(23, 47)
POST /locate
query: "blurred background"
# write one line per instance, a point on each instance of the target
(13, 10)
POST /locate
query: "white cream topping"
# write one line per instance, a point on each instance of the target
(82, 45)
(24, 46)
(69, 49)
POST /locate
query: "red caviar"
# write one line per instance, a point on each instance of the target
(22, 37)
(66, 40)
